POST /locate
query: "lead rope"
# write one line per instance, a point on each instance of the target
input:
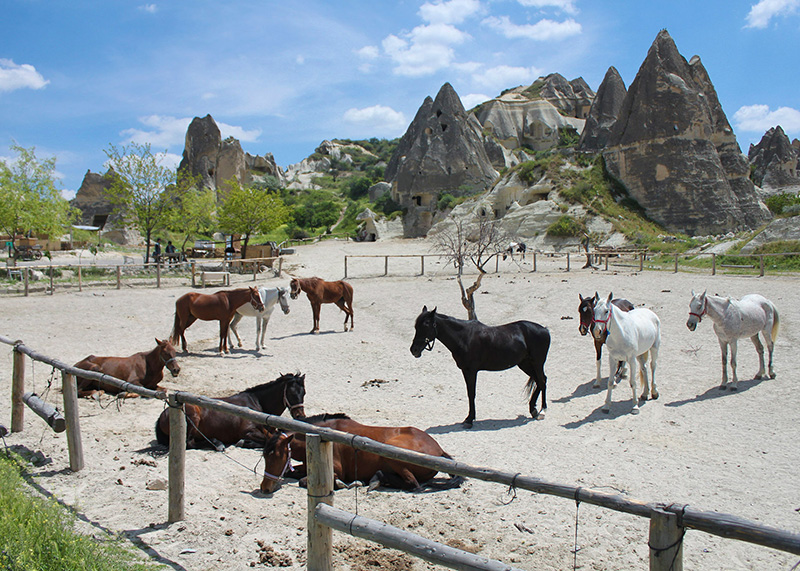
(576, 548)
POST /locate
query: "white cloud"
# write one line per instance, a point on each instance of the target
(13, 76)
(300, 60)
(425, 50)
(473, 99)
(567, 6)
(543, 30)
(760, 118)
(760, 14)
(502, 76)
(368, 52)
(167, 132)
(149, 8)
(378, 118)
(449, 12)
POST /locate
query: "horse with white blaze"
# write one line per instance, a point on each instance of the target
(630, 336)
(269, 297)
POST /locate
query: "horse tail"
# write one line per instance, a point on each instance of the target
(174, 337)
(161, 436)
(776, 322)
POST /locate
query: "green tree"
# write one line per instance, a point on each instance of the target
(194, 213)
(144, 190)
(29, 200)
(251, 209)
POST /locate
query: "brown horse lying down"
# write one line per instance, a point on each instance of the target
(145, 369)
(350, 464)
(219, 306)
(208, 428)
(319, 291)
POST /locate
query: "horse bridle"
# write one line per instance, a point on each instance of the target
(167, 361)
(700, 315)
(286, 467)
(430, 342)
(286, 403)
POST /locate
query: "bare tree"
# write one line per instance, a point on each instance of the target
(475, 241)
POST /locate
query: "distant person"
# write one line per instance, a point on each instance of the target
(157, 251)
(170, 251)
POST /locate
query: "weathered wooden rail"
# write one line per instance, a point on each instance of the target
(668, 521)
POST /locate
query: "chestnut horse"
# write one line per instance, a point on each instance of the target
(478, 347)
(145, 369)
(319, 291)
(211, 428)
(586, 314)
(350, 464)
(219, 306)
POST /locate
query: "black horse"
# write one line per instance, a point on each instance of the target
(211, 428)
(478, 347)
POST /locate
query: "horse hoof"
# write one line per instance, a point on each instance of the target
(596, 385)
(722, 387)
(734, 388)
(466, 424)
(758, 377)
(643, 397)
(654, 396)
(635, 410)
(606, 410)
(772, 375)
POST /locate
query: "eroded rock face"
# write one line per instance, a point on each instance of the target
(97, 210)
(441, 152)
(675, 152)
(775, 161)
(604, 112)
(217, 161)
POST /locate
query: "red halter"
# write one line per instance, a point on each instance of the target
(700, 315)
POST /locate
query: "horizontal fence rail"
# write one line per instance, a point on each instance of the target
(720, 524)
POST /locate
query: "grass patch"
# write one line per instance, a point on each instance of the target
(37, 533)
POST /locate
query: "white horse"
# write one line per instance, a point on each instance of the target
(734, 319)
(632, 335)
(269, 297)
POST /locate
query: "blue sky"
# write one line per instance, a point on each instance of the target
(283, 76)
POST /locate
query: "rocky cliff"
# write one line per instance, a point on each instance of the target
(775, 162)
(441, 152)
(216, 161)
(674, 151)
(604, 112)
(96, 210)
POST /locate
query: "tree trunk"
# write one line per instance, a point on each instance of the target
(468, 296)
(244, 245)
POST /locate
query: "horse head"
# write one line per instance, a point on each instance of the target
(277, 460)
(255, 299)
(602, 314)
(294, 392)
(167, 355)
(425, 335)
(697, 309)
(586, 313)
(282, 293)
(294, 287)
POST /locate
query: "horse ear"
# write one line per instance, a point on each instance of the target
(596, 296)
(433, 310)
(159, 342)
(704, 292)
(610, 297)
(424, 309)
(580, 296)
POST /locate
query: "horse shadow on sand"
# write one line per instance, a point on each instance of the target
(581, 391)
(716, 392)
(306, 333)
(618, 409)
(481, 425)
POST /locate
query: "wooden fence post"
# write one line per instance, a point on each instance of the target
(27, 280)
(606, 262)
(761, 264)
(17, 390)
(386, 265)
(422, 265)
(534, 261)
(80, 279)
(713, 264)
(194, 270)
(158, 274)
(69, 387)
(280, 265)
(51, 280)
(119, 277)
(641, 261)
(345, 266)
(497, 264)
(177, 459)
(676, 263)
(666, 541)
(255, 270)
(567, 261)
(319, 457)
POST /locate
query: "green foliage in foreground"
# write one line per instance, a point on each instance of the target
(566, 226)
(39, 534)
(784, 204)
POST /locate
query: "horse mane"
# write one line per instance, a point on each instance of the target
(322, 417)
(264, 386)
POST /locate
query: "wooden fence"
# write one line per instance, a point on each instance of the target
(240, 266)
(668, 521)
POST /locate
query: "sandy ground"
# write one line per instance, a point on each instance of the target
(733, 452)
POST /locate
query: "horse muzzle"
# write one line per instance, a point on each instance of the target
(691, 324)
(416, 351)
(583, 328)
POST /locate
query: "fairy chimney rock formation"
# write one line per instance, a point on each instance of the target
(674, 151)
(604, 112)
(441, 152)
(775, 161)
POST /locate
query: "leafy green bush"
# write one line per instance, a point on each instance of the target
(446, 200)
(784, 204)
(566, 226)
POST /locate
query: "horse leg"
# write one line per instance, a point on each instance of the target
(189, 320)
(734, 376)
(263, 321)
(348, 313)
(770, 348)
(612, 380)
(653, 359)
(315, 311)
(760, 350)
(470, 378)
(632, 367)
(598, 349)
(723, 346)
(232, 328)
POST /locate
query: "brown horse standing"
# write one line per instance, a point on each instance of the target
(219, 306)
(145, 369)
(319, 291)
(350, 464)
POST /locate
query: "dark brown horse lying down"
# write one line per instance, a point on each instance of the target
(145, 369)
(350, 464)
(207, 428)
